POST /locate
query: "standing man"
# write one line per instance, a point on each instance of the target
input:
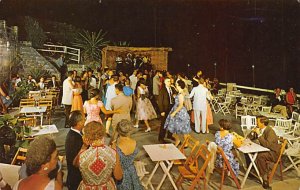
(200, 94)
(67, 96)
(120, 102)
(72, 146)
(133, 80)
(267, 138)
(156, 84)
(92, 83)
(165, 103)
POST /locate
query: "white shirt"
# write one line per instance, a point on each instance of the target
(41, 85)
(67, 96)
(200, 94)
(156, 84)
(93, 82)
(133, 81)
(110, 94)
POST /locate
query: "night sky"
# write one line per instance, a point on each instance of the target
(235, 34)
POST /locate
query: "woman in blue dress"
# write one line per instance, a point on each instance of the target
(178, 120)
(127, 150)
(226, 141)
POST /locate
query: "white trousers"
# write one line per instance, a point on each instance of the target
(197, 114)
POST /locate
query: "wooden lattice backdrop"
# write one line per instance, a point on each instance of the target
(159, 56)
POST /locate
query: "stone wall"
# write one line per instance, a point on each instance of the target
(31, 59)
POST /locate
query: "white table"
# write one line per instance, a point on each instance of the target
(10, 173)
(44, 130)
(164, 155)
(34, 112)
(252, 149)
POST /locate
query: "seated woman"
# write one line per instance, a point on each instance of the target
(41, 85)
(5, 99)
(226, 141)
(41, 162)
(127, 150)
(99, 163)
(291, 98)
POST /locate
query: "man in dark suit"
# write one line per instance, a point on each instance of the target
(53, 83)
(267, 138)
(72, 146)
(165, 103)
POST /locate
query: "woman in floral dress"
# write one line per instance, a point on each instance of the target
(93, 107)
(127, 150)
(144, 108)
(178, 120)
(226, 140)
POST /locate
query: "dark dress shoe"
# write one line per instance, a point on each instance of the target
(266, 185)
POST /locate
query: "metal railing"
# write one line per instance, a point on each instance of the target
(254, 88)
(74, 52)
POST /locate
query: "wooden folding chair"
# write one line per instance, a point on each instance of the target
(54, 95)
(30, 102)
(48, 103)
(19, 157)
(188, 146)
(27, 121)
(227, 168)
(191, 171)
(279, 161)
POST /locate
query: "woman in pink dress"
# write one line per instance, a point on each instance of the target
(93, 107)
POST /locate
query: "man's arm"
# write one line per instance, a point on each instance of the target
(269, 139)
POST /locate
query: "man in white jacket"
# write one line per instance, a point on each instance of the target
(200, 94)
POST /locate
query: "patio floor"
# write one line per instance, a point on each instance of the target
(290, 182)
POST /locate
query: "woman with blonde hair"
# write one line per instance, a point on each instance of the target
(127, 149)
(97, 162)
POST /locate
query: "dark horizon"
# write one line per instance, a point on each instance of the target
(235, 34)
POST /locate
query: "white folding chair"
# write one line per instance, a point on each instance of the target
(293, 154)
(214, 105)
(283, 124)
(224, 106)
(248, 122)
(266, 109)
(257, 100)
(240, 110)
(295, 117)
(140, 170)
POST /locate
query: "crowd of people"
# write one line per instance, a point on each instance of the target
(93, 164)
